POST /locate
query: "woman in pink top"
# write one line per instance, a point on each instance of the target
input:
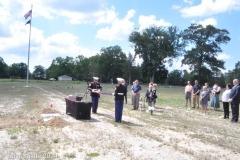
(188, 91)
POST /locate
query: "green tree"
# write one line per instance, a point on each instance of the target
(188, 76)
(3, 68)
(236, 70)
(94, 65)
(130, 62)
(81, 67)
(156, 46)
(229, 76)
(175, 77)
(111, 63)
(61, 66)
(39, 72)
(204, 44)
(18, 69)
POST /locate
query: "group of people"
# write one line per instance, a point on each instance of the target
(202, 95)
(119, 93)
(150, 96)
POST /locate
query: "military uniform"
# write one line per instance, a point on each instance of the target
(120, 93)
(94, 88)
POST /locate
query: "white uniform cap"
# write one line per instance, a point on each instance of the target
(95, 78)
(120, 79)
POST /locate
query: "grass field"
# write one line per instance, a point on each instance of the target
(174, 131)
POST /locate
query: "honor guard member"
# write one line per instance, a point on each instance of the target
(120, 92)
(95, 88)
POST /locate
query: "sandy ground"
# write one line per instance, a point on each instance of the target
(131, 139)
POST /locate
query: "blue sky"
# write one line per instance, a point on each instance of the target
(70, 28)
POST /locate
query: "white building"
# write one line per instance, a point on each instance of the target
(64, 78)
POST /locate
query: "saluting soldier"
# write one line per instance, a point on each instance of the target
(95, 88)
(120, 93)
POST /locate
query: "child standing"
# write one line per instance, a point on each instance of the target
(154, 94)
(149, 96)
(204, 100)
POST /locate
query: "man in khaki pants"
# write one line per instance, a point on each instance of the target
(196, 92)
(136, 94)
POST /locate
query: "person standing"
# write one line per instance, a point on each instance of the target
(224, 100)
(215, 103)
(111, 81)
(124, 83)
(154, 94)
(188, 92)
(235, 100)
(196, 92)
(120, 92)
(148, 95)
(204, 100)
(208, 92)
(132, 93)
(95, 88)
(136, 94)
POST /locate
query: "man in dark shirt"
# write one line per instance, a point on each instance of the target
(136, 94)
(196, 92)
(120, 92)
(95, 88)
(235, 100)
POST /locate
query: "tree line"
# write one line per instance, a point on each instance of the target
(157, 46)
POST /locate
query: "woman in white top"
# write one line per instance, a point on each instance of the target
(225, 98)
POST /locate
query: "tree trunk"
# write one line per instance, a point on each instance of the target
(152, 78)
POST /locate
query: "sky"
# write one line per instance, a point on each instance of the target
(63, 28)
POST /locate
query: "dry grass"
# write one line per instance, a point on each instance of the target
(172, 132)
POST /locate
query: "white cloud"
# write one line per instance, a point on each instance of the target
(223, 56)
(97, 17)
(76, 12)
(208, 21)
(119, 30)
(107, 16)
(19, 34)
(176, 7)
(188, 1)
(210, 7)
(147, 21)
(60, 45)
(14, 49)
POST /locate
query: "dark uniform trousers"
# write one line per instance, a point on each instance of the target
(235, 96)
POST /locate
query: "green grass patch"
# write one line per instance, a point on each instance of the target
(13, 130)
(70, 155)
(93, 154)
(13, 137)
(56, 140)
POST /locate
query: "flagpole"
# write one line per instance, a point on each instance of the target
(29, 47)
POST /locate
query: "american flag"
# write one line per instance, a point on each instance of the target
(28, 14)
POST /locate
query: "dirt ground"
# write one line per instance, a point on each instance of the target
(136, 138)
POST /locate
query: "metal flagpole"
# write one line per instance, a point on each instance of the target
(29, 47)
